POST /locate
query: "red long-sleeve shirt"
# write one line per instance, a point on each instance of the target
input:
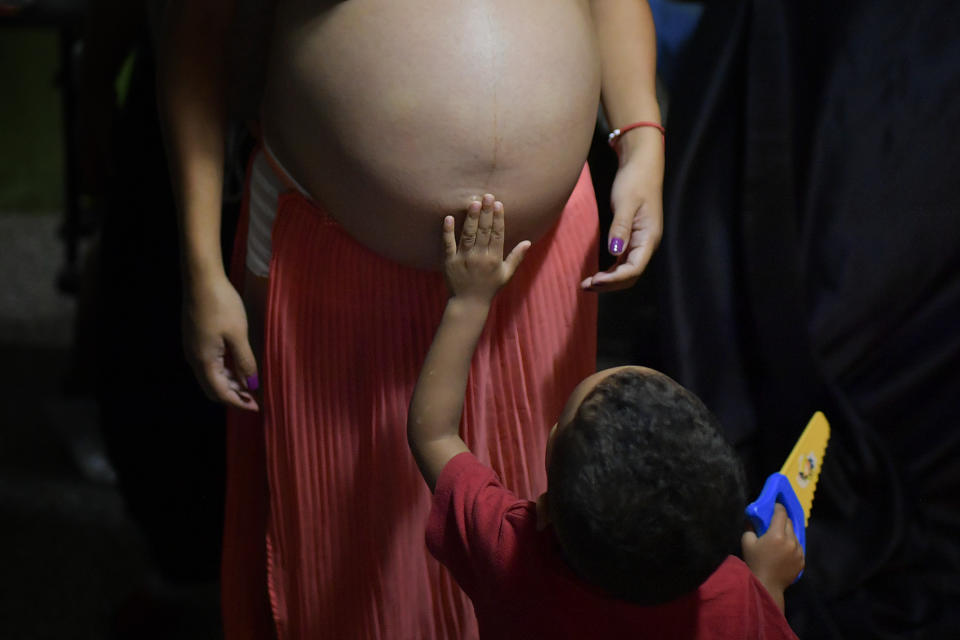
(521, 587)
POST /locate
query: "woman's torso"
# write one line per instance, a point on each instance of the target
(394, 113)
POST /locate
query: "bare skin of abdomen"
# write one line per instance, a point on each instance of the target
(393, 113)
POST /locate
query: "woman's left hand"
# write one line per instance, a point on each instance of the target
(637, 203)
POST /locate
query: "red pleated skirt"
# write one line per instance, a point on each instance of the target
(324, 531)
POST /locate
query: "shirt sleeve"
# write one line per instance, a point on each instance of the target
(739, 606)
(773, 624)
(466, 529)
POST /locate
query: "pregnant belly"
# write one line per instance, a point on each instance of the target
(394, 114)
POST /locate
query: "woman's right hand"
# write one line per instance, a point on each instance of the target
(217, 344)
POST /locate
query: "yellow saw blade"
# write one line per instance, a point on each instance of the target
(803, 465)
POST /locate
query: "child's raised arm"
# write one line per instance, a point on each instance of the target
(776, 557)
(475, 270)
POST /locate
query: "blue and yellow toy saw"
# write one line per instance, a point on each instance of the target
(794, 485)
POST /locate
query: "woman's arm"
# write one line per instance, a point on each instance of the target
(191, 90)
(628, 57)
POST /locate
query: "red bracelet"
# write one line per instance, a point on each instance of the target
(616, 133)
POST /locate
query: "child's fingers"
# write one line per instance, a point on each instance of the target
(779, 521)
(788, 528)
(468, 235)
(748, 539)
(449, 238)
(497, 233)
(485, 223)
(516, 256)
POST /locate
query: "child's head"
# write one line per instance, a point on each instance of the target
(645, 495)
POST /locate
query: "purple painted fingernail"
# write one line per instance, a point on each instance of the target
(253, 382)
(616, 246)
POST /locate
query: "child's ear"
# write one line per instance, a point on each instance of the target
(549, 453)
(543, 513)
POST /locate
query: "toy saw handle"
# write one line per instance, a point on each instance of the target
(778, 489)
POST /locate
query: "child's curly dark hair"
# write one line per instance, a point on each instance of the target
(645, 494)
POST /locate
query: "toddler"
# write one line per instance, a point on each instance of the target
(644, 503)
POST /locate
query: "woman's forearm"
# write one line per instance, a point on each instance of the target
(628, 56)
(191, 90)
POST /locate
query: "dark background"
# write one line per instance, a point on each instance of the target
(811, 260)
